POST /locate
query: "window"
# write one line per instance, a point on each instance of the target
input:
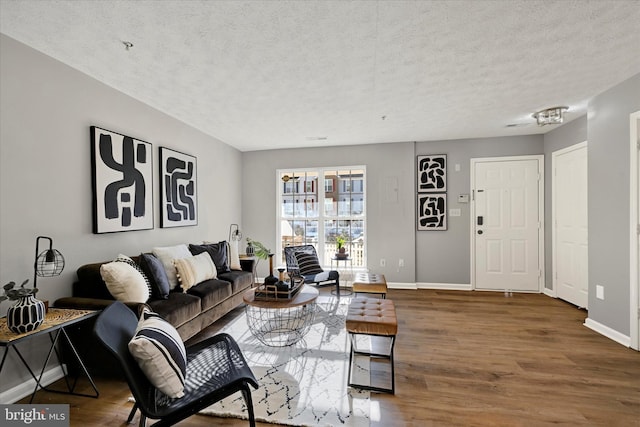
(328, 186)
(319, 218)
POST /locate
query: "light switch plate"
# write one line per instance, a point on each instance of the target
(454, 212)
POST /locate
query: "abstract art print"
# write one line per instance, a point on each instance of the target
(432, 173)
(122, 176)
(178, 190)
(432, 212)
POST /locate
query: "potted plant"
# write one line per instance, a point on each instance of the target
(259, 250)
(28, 312)
(340, 242)
(262, 252)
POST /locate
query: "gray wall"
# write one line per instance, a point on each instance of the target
(566, 135)
(444, 256)
(390, 226)
(430, 257)
(46, 109)
(608, 130)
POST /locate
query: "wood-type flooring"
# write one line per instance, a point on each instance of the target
(465, 359)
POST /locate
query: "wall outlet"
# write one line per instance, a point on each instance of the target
(454, 212)
(400, 262)
(383, 262)
(600, 292)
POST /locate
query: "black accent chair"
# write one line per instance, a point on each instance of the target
(326, 278)
(216, 369)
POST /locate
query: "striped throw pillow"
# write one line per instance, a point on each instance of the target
(307, 263)
(160, 353)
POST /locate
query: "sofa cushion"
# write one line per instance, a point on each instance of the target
(211, 292)
(166, 254)
(239, 279)
(160, 353)
(195, 269)
(178, 309)
(124, 282)
(154, 270)
(218, 253)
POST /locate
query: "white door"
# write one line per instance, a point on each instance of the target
(507, 223)
(570, 228)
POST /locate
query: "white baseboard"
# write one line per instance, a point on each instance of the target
(446, 286)
(26, 388)
(400, 285)
(608, 332)
(549, 292)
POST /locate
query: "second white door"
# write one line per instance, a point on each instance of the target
(570, 228)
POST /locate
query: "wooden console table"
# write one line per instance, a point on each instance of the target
(54, 324)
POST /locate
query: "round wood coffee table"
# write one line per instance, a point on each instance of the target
(283, 322)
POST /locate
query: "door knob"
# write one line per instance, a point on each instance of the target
(479, 231)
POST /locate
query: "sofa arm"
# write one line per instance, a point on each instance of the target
(80, 303)
(248, 264)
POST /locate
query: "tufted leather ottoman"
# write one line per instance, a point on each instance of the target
(374, 317)
(366, 283)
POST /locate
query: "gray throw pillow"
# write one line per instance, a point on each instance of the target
(157, 275)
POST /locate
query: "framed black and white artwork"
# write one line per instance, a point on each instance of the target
(178, 189)
(432, 212)
(432, 173)
(122, 178)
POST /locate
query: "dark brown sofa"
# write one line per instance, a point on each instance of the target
(189, 312)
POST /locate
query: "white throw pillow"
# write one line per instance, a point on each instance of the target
(234, 256)
(195, 269)
(124, 282)
(166, 255)
(160, 353)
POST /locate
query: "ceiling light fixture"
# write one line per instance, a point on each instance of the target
(550, 116)
(127, 45)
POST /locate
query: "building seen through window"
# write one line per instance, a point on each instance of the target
(322, 214)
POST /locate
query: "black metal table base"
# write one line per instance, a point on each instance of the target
(38, 379)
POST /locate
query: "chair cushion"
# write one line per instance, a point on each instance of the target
(160, 353)
(308, 263)
(154, 270)
(125, 282)
(195, 269)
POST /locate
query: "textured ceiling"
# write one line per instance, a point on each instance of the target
(276, 74)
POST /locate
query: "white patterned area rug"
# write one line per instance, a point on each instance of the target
(304, 384)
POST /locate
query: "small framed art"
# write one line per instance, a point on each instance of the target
(178, 189)
(122, 181)
(432, 212)
(432, 173)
